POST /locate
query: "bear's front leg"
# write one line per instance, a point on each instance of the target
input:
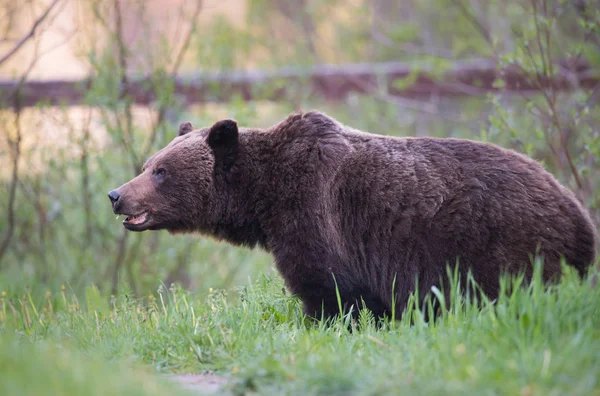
(322, 301)
(325, 286)
(319, 302)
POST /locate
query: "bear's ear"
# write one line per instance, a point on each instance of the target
(223, 136)
(185, 127)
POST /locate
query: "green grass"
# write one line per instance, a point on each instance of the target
(534, 340)
(45, 368)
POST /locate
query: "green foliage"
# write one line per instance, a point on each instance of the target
(223, 46)
(561, 128)
(45, 368)
(65, 231)
(533, 339)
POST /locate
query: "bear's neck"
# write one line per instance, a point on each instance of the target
(247, 200)
(247, 233)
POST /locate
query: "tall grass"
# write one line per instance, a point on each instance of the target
(46, 368)
(533, 340)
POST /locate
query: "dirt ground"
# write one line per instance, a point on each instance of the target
(203, 383)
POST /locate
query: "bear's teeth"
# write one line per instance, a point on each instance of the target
(137, 219)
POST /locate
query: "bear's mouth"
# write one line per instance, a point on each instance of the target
(134, 222)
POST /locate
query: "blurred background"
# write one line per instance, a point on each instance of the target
(90, 88)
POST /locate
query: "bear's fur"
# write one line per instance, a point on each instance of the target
(330, 201)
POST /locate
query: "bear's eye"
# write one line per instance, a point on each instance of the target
(160, 172)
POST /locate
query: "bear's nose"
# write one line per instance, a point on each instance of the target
(113, 196)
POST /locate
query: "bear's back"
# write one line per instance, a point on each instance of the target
(430, 199)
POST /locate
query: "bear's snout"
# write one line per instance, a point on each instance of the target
(113, 196)
(115, 200)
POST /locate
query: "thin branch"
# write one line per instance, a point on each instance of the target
(474, 21)
(126, 131)
(162, 111)
(85, 176)
(122, 51)
(121, 250)
(10, 214)
(538, 38)
(188, 39)
(548, 73)
(30, 34)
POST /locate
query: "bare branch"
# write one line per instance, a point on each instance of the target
(122, 59)
(30, 34)
(474, 21)
(16, 156)
(188, 39)
(162, 111)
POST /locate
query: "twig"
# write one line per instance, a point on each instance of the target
(85, 177)
(130, 259)
(474, 21)
(30, 34)
(17, 100)
(13, 185)
(162, 111)
(119, 260)
(126, 131)
(550, 97)
(188, 39)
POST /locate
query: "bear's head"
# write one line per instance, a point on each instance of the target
(178, 188)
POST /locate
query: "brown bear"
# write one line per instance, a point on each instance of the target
(373, 216)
